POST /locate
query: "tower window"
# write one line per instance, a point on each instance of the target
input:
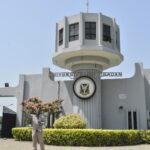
(116, 39)
(106, 33)
(74, 32)
(90, 30)
(61, 36)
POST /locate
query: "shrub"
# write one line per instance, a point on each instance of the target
(22, 134)
(85, 137)
(71, 121)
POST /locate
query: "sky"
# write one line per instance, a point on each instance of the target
(27, 34)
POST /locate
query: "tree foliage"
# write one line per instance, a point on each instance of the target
(35, 105)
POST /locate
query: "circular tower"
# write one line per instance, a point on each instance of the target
(87, 44)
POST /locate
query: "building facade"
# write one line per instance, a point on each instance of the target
(87, 44)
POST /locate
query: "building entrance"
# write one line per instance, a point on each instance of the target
(7, 115)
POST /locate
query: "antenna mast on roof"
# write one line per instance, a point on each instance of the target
(87, 4)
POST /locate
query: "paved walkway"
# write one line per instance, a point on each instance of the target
(11, 144)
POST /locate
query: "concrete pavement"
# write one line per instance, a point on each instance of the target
(11, 144)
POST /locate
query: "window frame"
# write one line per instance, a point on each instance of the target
(73, 32)
(61, 34)
(107, 33)
(132, 119)
(90, 30)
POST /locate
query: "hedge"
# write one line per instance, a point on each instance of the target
(22, 134)
(86, 137)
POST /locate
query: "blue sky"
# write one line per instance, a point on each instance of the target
(27, 33)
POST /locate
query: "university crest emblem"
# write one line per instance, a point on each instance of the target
(84, 87)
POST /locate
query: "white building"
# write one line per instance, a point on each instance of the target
(87, 44)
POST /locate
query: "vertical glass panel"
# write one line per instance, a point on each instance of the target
(129, 120)
(116, 39)
(135, 119)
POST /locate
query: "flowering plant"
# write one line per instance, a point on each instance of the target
(33, 105)
(53, 107)
(36, 106)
